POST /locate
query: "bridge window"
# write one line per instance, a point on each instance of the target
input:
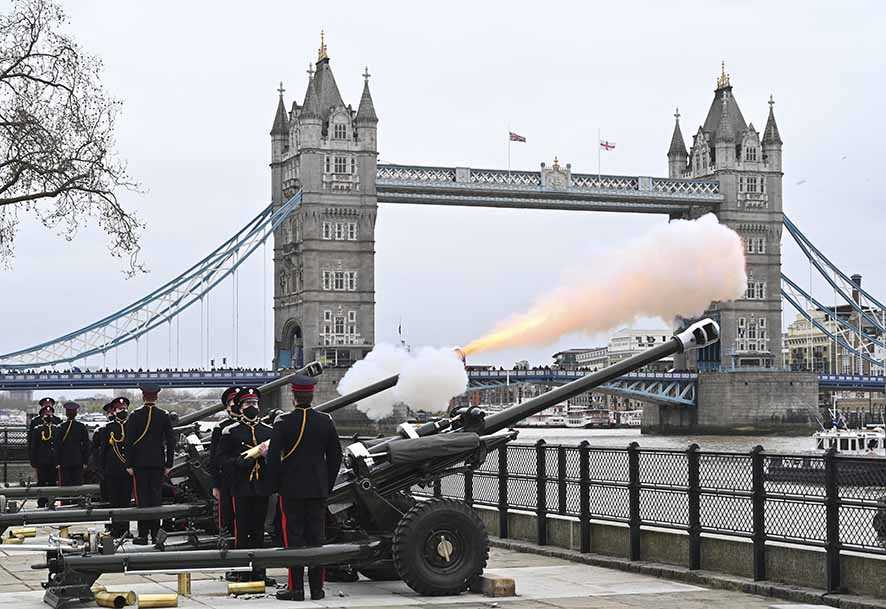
(352, 316)
(339, 281)
(352, 231)
(341, 164)
(761, 245)
(750, 153)
(750, 246)
(353, 165)
(756, 290)
(339, 231)
(326, 165)
(340, 132)
(761, 322)
(327, 230)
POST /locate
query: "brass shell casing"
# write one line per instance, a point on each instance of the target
(155, 601)
(237, 588)
(117, 600)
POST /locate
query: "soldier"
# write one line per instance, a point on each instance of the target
(304, 455)
(95, 454)
(71, 447)
(44, 403)
(111, 460)
(40, 446)
(219, 487)
(245, 472)
(150, 448)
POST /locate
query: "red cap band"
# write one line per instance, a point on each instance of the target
(302, 389)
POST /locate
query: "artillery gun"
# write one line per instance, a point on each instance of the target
(437, 546)
(191, 488)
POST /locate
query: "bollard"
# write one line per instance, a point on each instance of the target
(184, 584)
(156, 601)
(238, 588)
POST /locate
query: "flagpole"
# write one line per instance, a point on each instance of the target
(509, 151)
(599, 146)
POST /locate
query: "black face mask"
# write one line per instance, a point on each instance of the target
(121, 415)
(251, 412)
(71, 415)
(47, 417)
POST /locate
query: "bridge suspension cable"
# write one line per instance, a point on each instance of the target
(167, 302)
(837, 279)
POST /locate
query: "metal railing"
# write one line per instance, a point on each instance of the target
(827, 502)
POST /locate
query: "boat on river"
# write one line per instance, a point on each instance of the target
(866, 467)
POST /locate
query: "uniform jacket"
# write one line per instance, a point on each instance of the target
(308, 470)
(71, 444)
(41, 445)
(36, 421)
(218, 480)
(110, 454)
(244, 477)
(149, 440)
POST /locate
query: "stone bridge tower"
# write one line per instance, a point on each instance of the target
(748, 167)
(324, 254)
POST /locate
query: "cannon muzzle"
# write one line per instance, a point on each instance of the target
(700, 334)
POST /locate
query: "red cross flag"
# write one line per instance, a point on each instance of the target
(606, 145)
(515, 137)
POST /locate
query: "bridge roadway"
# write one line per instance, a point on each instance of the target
(675, 388)
(553, 187)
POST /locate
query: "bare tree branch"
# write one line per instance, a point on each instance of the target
(57, 160)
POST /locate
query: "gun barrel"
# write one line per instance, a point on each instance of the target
(66, 516)
(36, 492)
(197, 560)
(314, 369)
(355, 396)
(696, 336)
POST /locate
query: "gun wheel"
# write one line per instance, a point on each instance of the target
(439, 547)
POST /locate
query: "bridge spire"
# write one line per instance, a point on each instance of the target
(321, 52)
(366, 109)
(281, 118)
(677, 154)
(723, 79)
(770, 134)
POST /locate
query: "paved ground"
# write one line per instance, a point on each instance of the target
(541, 583)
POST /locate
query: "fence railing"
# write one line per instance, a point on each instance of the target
(825, 501)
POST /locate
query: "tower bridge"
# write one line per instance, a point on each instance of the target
(326, 185)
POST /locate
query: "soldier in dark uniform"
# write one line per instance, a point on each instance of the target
(241, 455)
(45, 404)
(71, 448)
(111, 459)
(40, 446)
(150, 448)
(95, 451)
(220, 489)
(304, 455)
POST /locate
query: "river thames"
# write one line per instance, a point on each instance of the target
(620, 438)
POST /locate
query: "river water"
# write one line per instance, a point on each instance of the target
(620, 438)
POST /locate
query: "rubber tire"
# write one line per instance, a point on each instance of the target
(411, 536)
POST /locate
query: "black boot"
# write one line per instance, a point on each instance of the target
(316, 595)
(291, 595)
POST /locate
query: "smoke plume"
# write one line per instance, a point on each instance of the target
(429, 378)
(677, 269)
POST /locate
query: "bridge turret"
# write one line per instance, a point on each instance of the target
(279, 147)
(677, 154)
(772, 140)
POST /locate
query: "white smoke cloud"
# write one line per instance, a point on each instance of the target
(677, 269)
(429, 378)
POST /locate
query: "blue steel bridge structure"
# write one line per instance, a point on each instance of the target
(462, 186)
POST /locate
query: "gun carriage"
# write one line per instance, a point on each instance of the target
(437, 546)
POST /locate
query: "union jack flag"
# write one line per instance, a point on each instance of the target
(605, 145)
(515, 137)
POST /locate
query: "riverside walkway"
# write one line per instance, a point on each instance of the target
(541, 582)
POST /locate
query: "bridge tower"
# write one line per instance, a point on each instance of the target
(748, 167)
(324, 254)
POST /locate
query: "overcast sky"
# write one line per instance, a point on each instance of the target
(199, 80)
